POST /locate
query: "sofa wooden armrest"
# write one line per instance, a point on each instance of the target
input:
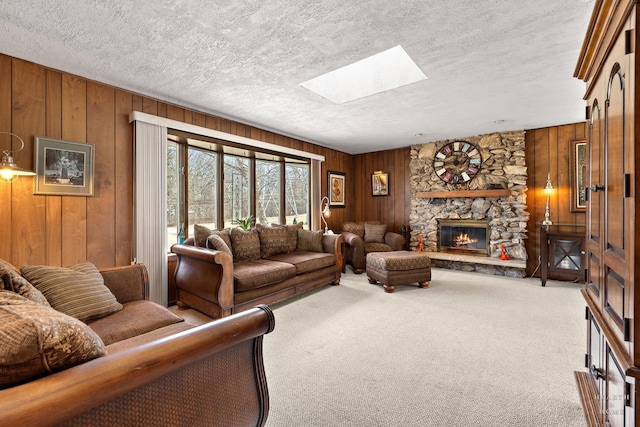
(205, 277)
(196, 377)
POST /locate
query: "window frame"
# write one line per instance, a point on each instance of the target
(184, 140)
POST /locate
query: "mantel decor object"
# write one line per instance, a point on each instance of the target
(63, 168)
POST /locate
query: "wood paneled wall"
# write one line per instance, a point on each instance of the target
(394, 209)
(548, 151)
(63, 230)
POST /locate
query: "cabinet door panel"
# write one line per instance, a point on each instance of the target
(614, 165)
(593, 279)
(615, 396)
(615, 298)
(594, 204)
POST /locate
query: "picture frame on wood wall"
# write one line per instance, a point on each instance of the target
(380, 183)
(336, 189)
(63, 168)
(578, 174)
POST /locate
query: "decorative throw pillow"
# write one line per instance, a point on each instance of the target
(37, 340)
(356, 228)
(273, 240)
(201, 233)
(245, 244)
(374, 233)
(292, 234)
(11, 280)
(310, 240)
(216, 242)
(77, 291)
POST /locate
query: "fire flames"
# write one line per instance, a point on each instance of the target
(463, 240)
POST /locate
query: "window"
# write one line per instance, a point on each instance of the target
(268, 179)
(236, 189)
(215, 185)
(201, 194)
(173, 194)
(297, 193)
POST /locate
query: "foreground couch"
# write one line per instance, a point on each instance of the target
(365, 237)
(220, 272)
(146, 366)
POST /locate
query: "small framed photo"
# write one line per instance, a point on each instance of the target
(578, 173)
(63, 168)
(336, 189)
(380, 184)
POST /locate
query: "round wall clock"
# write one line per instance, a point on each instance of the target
(457, 162)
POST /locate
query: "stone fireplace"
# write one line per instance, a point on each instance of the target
(496, 196)
(464, 236)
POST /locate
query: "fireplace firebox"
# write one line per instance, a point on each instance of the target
(465, 236)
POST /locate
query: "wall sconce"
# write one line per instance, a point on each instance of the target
(547, 189)
(9, 171)
(325, 213)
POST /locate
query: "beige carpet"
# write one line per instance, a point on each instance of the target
(471, 350)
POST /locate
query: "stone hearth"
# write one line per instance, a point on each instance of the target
(503, 176)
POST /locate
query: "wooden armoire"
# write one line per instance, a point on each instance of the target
(607, 64)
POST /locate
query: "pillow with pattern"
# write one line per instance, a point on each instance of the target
(245, 244)
(11, 280)
(37, 340)
(274, 240)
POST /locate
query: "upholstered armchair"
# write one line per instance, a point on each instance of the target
(369, 236)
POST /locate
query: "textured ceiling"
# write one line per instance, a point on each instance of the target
(491, 65)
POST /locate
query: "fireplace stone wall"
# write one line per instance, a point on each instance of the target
(503, 167)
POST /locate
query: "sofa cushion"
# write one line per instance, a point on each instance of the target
(255, 274)
(135, 318)
(217, 243)
(374, 233)
(148, 337)
(201, 233)
(273, 240)
(78, 291)
(245, 244)
(309, 241)
(37, 340)
(306, 262)
(11, 280)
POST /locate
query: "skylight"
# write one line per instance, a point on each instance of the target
(381, 72)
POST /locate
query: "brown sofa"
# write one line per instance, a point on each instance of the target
(151, 368)
(226, 280)
(360, 238)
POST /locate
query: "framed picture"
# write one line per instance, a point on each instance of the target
(63, 168)
(336, 189)
(380, 184)
(578, 171)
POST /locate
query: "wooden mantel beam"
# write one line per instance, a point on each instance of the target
(502, 192)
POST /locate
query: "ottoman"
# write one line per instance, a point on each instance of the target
(397, 268)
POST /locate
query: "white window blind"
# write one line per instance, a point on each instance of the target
(150, 222)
